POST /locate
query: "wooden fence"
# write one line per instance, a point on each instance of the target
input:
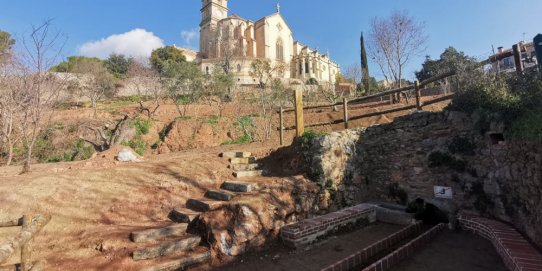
(417, 86)
(300, 125)
(31, 226)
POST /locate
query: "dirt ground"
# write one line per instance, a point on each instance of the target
(96, 203)
(95, 208)
(451, 251)
(316, 257)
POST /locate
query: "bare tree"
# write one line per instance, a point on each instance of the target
(270, 89)
(11, 87)
(41, 88)
(147, 83)
(94, 82)
(394, 41)
(353, 72)
(108, 135)
(329, 92)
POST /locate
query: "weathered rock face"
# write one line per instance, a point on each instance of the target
(248, 223)
(404, 160)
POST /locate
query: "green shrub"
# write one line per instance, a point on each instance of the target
(309, 135)
(527, 127)
(245, 139)
(142, 126)
(137, 144)
(213, 120)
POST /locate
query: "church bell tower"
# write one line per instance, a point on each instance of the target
(212, 11)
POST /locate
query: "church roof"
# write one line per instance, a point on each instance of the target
(273, 15)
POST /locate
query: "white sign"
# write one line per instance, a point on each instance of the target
(443, 192)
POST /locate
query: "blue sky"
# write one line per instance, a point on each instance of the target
(469, 25)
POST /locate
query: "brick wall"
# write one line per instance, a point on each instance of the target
(363, 256)
(309, 230)
(517, 253)
(406, 250)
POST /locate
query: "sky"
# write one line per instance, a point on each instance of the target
(135, 27)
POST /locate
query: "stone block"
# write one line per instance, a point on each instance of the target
(219, 195)
(182, 215)
(235, 154)
(165, 249)
(237, 187)
(175, 230)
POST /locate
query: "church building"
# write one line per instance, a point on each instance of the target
(241, 41)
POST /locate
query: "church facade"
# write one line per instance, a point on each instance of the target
(241, 41)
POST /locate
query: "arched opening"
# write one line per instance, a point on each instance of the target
(238, 67)
(207, 70)
(280, 50)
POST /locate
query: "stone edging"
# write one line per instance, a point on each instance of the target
(367, 253)
(517, 253)
(309, 230)
(406, 250)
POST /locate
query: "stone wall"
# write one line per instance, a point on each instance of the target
(404, 160)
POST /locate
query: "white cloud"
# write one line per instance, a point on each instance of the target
(137, 43)
(189, 35)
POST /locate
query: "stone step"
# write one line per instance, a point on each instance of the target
(182, 215)
(251, 173)
(219, 195)
(181, 263)
(168, 248)
(204, 205)
(235, 154)
(245, 167)
(237, 187)
(244, 160)
(176, 230)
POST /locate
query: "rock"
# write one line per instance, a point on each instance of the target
(126, 155)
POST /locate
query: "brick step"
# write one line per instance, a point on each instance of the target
(182, 215)
(204, 205)
(168, 248)
(245, 167)
(235, 154)
(221, 195)
(238, 187)
(181, 263)
(244, 160)
(176, 230)
(245, 174)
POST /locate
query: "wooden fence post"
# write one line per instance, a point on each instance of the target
(517, 58)
(281, 117)
(345, 109)
(418, 95)
(25, 249)
(299, 123)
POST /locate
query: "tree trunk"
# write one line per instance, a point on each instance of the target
(10, 153)
(8, 247)
(95, 108)
(26, 165)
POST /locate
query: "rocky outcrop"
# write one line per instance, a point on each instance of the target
(249, 222)
(404, 160)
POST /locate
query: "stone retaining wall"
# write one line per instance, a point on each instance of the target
(403, 160)
(309, 230)
(516, 252)
(361, 257)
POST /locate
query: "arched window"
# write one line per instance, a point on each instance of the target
(280, 50)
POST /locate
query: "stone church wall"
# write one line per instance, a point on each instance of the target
(404, 160)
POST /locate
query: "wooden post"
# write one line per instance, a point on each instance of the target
(418, 95)
(299, 123)
(345, 109)
(25, 248)
(9, 247)
(281, 117)
(517, 58)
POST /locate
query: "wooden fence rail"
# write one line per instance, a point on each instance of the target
(31, 226)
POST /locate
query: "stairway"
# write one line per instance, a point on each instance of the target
(243, 164)
(171, 247)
